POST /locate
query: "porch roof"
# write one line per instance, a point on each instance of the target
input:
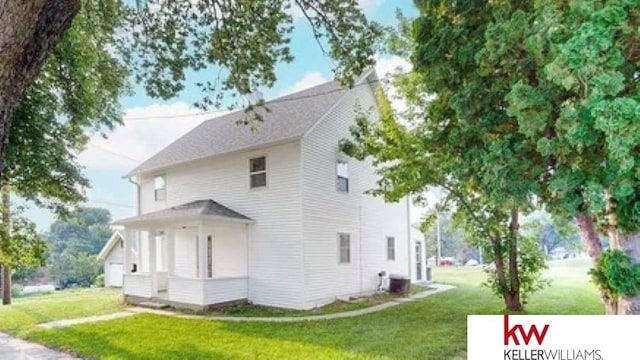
(200, 209)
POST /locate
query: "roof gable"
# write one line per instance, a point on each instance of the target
(106, 249)
(286, 118)
(196, 209)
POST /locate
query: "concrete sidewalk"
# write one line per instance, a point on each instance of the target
(16, 349)
(433, 289)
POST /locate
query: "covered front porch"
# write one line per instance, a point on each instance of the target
(193, 255)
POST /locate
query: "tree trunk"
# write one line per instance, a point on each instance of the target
(612, 220)
(589, 235)
(629, 305)
(29, 30)
(5, 210)
(6, 285)
(513, 301)
(594, 249)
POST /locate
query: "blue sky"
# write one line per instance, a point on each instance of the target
(108, 160)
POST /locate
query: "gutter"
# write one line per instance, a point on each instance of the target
(137, 195)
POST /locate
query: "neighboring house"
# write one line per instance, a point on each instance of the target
(113, 256)
(276, 215)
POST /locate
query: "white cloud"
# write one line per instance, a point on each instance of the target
(309, 79)
(138, 139)
(392, 65)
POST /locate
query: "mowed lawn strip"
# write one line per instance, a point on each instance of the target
(25, 313)
(432, 328)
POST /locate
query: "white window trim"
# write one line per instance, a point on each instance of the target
(155, 191)
(394, 247)
(338, 176)
(265, 171)
(340, 262)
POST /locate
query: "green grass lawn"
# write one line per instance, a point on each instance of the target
(432, 328)
(26, 312)
(247, 310)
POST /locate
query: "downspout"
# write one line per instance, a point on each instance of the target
(360, 249)
(409, 236)
(138, 203)
(137, 195)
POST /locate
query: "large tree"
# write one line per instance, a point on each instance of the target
(562, 80)
(239, 42)
(76, 91)
(468, 161)
(577, 101)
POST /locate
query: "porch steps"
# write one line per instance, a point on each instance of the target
(153, 305)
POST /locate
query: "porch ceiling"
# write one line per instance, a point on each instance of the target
(195, 210)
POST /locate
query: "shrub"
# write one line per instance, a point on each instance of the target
(616, 274)
(99, 281)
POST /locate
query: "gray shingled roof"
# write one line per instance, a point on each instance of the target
(193, 209)
(289, 117)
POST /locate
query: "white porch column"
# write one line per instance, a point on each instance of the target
(128, 242)
(170, 233)
(202, 251)
(153, 259)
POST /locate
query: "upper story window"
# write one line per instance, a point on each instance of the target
(344, 244)
(160, 188)
(342, 176)
(391, 248)
(258, 172)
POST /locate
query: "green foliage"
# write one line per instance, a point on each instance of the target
(553, 232)
(99, 281)
(75, 269)
(74, 243)
(25, 272)
(456, 135)
(574, 95)
(452, 240)
(75, 93)
(530, 263)
(239, 42)
(616, 274)
(84, 230)
(20, 243)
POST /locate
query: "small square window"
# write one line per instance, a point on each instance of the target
(345, 248)
(391, 248)
(160, 188)
(342, 176)
(258, 172)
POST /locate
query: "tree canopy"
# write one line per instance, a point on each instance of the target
(513, 104)
(74, 242)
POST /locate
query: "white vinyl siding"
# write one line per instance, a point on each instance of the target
(273, 255)
(366, 218)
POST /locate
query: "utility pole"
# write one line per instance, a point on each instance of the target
(438, 240)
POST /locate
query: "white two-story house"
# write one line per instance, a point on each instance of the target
(276, 215)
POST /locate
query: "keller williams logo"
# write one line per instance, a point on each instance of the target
(512, 333)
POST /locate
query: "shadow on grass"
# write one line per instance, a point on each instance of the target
(432, 328)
